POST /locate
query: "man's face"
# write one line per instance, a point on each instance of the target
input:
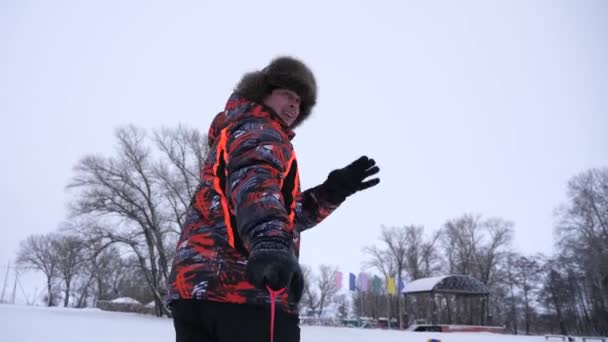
(285, 103)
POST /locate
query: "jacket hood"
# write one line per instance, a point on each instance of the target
(239, 108)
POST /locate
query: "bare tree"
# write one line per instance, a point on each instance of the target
(139, 197)
(582, 241)
(310, 297)
(555, 295)
(110, 269)
(383, 260)
(479, 248)
(527, 271)
(184, 150)
(423, 258)
(460, 240)
(404, 252)
(493, 250)
(37, 252)
(380, 260)
(125, 190)
(68, 250)
(476, 247)
(511, 283)
(101, 273)
(342, 307)
(327, 284)
(84, 289)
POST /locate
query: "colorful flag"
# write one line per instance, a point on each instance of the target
(390, 286)
(352, 282)
(363, 282)
(376, 285)
(401, 286)
(338, 280)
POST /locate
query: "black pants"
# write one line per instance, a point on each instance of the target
(203, 321)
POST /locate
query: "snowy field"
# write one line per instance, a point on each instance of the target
(29, 324)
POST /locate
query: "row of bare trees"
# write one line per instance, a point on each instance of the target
(58, 257)
(79, 273)
(134, 201)
(576, 289)
(565, 293)
(465, 245)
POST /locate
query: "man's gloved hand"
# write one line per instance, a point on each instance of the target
(344, 182)
(278, 269)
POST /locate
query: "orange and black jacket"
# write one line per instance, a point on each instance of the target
(249, 193)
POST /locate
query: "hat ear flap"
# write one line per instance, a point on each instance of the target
(254, 86)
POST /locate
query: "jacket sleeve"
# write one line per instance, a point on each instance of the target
(257, 157)
(312, 207)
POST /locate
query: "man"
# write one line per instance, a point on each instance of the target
(236, 275)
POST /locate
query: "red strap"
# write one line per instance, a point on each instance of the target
(273, 298)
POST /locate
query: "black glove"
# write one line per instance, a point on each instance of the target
(344, 182)
(276, 268)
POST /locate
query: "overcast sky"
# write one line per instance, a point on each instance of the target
(485, 107)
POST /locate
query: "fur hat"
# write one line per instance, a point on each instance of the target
(282, 72)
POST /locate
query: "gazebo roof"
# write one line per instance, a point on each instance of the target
(455, 284)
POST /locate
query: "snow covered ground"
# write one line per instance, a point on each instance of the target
(29, 324)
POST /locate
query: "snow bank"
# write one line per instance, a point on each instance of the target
(125, 304)
(125, 300)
